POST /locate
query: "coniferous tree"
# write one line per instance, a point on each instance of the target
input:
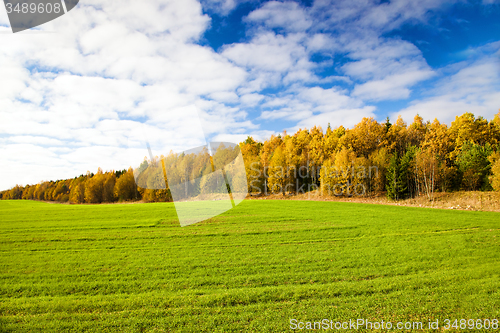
(475, 166)
(397, 182)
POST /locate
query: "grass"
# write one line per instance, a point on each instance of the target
(461, 200)
(132, 268)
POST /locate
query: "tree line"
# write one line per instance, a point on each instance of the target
(372, 158)
(101, 187)
(190, 174)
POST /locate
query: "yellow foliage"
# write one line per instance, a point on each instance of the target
(495, 169)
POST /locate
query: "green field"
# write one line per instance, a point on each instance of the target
(132, 268)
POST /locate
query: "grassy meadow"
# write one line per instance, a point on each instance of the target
(132, 268)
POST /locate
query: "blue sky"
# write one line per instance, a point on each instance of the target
(445, 34)
(89, 88)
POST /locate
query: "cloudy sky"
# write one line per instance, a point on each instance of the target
(89, 88)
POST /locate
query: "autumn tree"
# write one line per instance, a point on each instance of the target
(77, 190)
(279, 175)
(108, 187)
(378, 164)
(367, 135)
(332, 141)
(345, 174)
(495, 170)
(426, 171)
(296, 154)
(61, 191)
(316, 153)
(468, 128)
(125, 188)
(94, 187)
(494, 130)
(266, 154)
(16, 193)
(157, 189)
(396, 138)
(250, 150)
(417, 131)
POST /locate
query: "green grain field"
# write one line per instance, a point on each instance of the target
(132, 268)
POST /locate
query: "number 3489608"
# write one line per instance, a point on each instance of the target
(33, 8)
(488, 324)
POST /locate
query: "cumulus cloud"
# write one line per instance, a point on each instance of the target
(366, 15)
(316, 106)
(392, 86)
(108, 68)
(285, 15)
(377, 68)
(89, 88)
(474, 87)
(345, 117)
(268, 52)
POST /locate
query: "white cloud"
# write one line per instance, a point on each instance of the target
(268, 52)
(362, 15)
(391, 87)
(473, 88)
(294, 114)
(112, 74)
(287, 15)
(345, 117)
(305, 105)
(320, 42)
(327, 100)
(40, 140)
(251, 99)
(375, 58)
(109, 67)
(382, 68)
(387, 69)
(182, 20)
(14, 78)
